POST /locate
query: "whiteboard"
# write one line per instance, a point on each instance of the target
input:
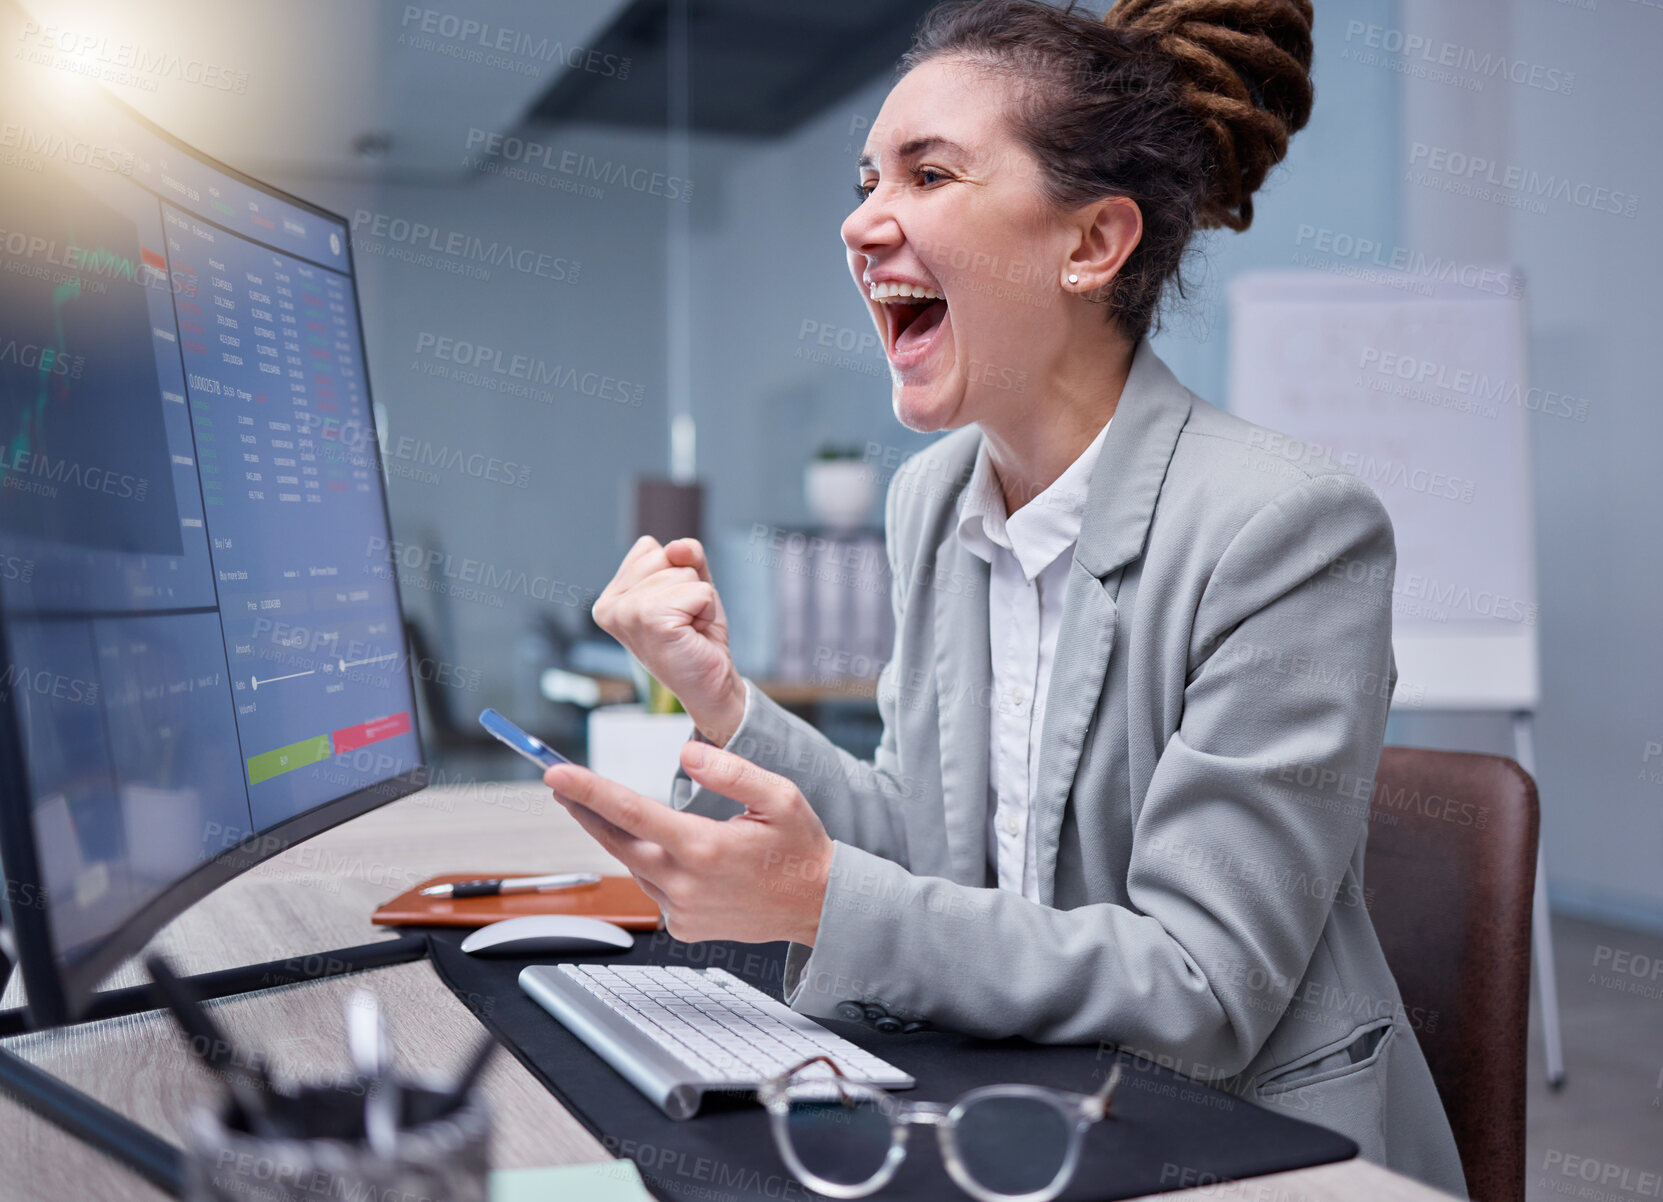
(1419, 388)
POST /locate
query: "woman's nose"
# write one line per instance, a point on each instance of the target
(872, 225)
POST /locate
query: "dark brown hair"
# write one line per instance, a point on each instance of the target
(1182, 105)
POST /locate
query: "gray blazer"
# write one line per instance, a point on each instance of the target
(1215, 715)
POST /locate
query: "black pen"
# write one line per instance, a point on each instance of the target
(491, 887)
(248, 1080)
(457, 1096)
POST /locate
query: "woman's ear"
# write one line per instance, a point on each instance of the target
(1109, 230)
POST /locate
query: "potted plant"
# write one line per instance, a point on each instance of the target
(839, 487)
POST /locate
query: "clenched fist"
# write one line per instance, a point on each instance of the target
(663, 606)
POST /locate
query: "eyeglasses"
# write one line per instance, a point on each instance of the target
(846, 1140)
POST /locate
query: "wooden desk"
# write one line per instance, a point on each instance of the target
(319, 896)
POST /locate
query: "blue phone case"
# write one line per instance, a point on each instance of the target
(528, 745)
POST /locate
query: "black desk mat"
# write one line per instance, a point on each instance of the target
(1165, 1133)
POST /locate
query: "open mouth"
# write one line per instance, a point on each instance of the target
(913, 315)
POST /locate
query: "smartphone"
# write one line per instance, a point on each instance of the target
(528, 745)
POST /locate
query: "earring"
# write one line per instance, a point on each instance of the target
(1073, 278)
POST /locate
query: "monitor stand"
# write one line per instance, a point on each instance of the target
(118, 1136)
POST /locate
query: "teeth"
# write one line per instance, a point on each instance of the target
(886, 293)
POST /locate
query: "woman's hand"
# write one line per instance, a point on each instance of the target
(663, 606)
(756, 877)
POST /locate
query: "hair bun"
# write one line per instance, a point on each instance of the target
(1246, 70)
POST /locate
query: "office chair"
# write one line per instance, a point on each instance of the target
(1451, 863)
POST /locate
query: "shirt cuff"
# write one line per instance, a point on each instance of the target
(698, 735)
(686, 794)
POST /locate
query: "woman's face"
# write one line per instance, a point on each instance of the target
(953, 208)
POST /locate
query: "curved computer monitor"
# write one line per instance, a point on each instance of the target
(203, 655)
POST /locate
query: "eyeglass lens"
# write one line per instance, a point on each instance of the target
(1013, 1145)
(841, 1141)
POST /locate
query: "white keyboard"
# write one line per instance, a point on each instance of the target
(675, 1033)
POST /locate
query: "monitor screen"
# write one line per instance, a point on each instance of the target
(204, 658)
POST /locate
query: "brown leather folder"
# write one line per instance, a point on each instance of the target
(616, 899)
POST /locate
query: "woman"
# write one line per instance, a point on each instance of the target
(1141, 667)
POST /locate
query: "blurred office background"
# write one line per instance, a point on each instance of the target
(671, 176)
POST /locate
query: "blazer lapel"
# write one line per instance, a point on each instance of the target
(1089, 621)
(964, 689)
(1120, 503)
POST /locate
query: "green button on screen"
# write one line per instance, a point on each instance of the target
(286, 759)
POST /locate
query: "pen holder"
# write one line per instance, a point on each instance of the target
(323, 1155)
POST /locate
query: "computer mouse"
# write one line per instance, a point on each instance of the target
(540, 934)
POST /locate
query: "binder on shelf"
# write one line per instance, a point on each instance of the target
(793, 596)
(828, 622)
(809, 605)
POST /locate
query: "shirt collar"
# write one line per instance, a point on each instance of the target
(1042, 529)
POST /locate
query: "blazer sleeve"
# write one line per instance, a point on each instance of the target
(1240, 846)
(858, 801)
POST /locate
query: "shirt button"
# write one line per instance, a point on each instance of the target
(1018, 697)
(1012, 827)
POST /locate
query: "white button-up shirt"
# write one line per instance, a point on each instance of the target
(1028, 554)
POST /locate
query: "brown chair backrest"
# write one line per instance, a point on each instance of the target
(1450, 865)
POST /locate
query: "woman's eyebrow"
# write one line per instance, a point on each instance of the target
(913, 148)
